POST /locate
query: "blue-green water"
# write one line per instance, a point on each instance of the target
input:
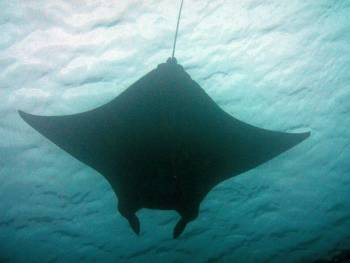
(281, 66)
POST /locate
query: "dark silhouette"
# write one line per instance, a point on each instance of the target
(342, 256)
(163, 143)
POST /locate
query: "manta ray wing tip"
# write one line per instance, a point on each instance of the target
(23, 114)
(306, 134)
(20, 112)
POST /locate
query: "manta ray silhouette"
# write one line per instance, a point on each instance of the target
(163, 143)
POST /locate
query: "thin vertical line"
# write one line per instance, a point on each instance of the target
(177, 29)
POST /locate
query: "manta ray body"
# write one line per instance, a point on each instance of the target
(163, 143)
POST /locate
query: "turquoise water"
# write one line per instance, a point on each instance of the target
(280, 66)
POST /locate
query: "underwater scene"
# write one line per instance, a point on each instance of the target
(175, 131)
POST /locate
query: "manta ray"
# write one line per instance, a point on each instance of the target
(163, 143)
